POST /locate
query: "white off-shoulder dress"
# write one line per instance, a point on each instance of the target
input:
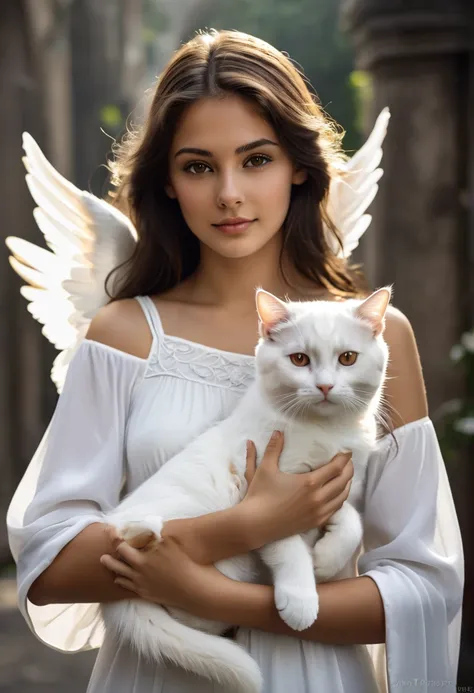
(119, 418)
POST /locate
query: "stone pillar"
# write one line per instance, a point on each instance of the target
(22, 378)
(36, 61)
(417, 57)
(420, 59)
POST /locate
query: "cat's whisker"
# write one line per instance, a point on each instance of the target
(288, 406)
(387, 406)
(353, 397)
(348, 404)
(296, 408)
(384, 419)
(285, 409)
(351, 406)
(286, 397)
(363, 402)
(362, 391)
(382, 415)
(307, 407)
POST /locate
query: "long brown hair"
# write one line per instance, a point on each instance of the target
(214, 64)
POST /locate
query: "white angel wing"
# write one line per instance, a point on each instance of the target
(354, 188)
(88, 239)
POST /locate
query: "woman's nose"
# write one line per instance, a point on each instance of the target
(229, 194)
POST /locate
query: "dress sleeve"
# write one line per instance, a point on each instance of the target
(74, 477)
(413, 551)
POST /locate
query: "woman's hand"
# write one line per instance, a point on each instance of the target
(173, 572)
(161, 572)
(286, 504)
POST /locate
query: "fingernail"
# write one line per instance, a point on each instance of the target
(276, 435)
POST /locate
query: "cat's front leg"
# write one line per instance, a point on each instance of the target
(296, 597)
(343, 534)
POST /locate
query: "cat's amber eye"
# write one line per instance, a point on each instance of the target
(348, 358)
(299, 359)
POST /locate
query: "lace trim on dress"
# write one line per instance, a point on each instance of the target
(188, 360)
(196, 362)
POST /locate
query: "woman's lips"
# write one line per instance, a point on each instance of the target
(234, 228)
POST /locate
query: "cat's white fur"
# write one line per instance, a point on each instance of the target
(208, 475)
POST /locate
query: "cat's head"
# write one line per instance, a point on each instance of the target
(319, 359)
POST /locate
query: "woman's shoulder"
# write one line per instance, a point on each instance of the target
(405, 387)
(400, 337)
(122, 325)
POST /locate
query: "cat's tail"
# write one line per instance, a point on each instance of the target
(156, 635)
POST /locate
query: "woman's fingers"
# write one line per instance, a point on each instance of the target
(117, 567)
(132, 556)
(251, 467)
(335, 503)
(273, 450)
(337, 484)
(126, 584)
(331, 470)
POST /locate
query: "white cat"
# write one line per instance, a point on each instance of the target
(320, 368)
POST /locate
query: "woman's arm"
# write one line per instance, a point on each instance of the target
(76, 575)
(350, 611)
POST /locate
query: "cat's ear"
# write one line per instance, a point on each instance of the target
(373, 309)
(270, 310)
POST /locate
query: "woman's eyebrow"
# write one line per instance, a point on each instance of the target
(240, 150)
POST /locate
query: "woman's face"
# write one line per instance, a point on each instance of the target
(226, 163)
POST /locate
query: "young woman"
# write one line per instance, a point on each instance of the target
(227, 185)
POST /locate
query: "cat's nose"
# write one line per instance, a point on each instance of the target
(325, 389)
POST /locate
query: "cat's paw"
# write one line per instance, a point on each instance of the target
(327, 561)
(141, 533)
(297, 607)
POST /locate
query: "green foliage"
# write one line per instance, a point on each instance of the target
(309, 32)
(455, 419)
(111, 117)
(361, 84)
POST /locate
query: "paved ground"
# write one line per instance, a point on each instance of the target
(28, 666)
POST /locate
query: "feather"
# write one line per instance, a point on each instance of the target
(353, 188)
(87, 238)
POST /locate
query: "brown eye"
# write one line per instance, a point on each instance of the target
(299, 359)
(348, 358)
(261, 158)
(195, 165)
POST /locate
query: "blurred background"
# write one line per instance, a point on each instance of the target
(73, 72)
